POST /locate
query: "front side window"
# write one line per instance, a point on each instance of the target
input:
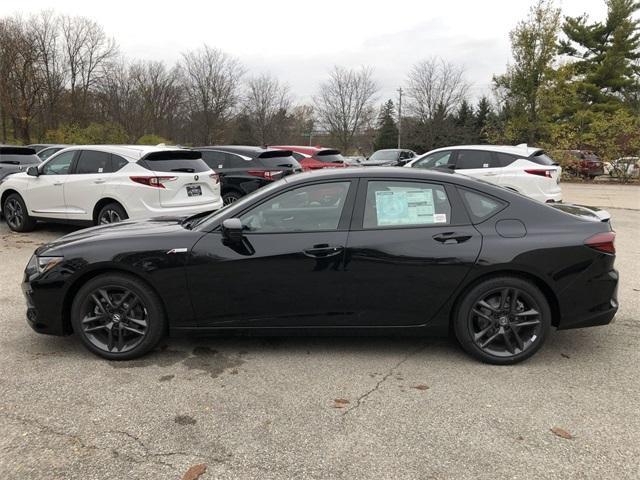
(397, 203)
(305, 209)
(438, 159)
(58, 165)
(468, 159)
(91, 161)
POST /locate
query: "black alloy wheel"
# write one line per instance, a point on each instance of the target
(118, 316)
(503, 320)
(16, 214)
(230, 197)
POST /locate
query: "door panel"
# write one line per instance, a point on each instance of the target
(280, 279)
(410, 247)
(287, 271)
(85, 186)
(46, 192)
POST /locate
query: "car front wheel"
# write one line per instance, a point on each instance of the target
(502, 320)
(16, 214)
(118, 317)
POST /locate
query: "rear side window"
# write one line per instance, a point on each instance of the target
(91, 161)
(215, 160)
(504, 159)
(235, 161)
(187, 161)
(480, 206)
(393, 204)
(468, 159)
(117, 162)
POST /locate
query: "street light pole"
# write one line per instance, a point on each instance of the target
(400, 118)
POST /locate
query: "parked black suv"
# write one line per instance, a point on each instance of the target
(244, 169)
(16, 159)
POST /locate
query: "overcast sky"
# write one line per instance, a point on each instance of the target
(299, 41)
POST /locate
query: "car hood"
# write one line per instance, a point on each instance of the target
(163, 226)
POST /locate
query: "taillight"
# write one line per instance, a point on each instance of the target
(215, 177)
(539, 171)
(603, 242)
(268, 174)
(156, 182)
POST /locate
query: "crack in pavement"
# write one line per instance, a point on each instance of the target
(364, 396)
(147, 457)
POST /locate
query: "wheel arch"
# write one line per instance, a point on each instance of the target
(101, 204)
(10, 191)
(544, 287)
(77, 283)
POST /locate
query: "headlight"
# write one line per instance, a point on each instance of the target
(47, 263)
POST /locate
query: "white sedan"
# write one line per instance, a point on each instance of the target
(526, 170)
(98, 184)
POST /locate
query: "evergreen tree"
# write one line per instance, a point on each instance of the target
(387, 129)
(607, 54)
(465, 124)
(484, 112)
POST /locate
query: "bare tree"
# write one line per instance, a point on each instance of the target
(45, 29)
(344, 103)
(435, 87)
(21, 84)
(266, 104)
(88, 53)
(211, 80)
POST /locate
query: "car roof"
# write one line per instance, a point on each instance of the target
(131, 152)
(521, 150)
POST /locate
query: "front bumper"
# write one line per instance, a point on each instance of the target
(44, 310)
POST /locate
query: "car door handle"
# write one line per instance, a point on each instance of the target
(451, 237)
(57, 184)
(490, 174)
(323, 251)
(99, 180)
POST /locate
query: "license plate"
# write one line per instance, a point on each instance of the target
(194, 190)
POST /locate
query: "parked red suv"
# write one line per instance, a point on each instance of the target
(585, 163)
(314, 158)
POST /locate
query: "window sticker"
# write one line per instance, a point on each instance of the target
(440, 218)
(405, 207)
(100, 170)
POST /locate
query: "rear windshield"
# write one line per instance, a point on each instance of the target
(11, 159)
(280, 162)
(174, 161)
(330, 156)
(542, 159)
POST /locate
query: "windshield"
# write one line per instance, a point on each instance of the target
(205, 222)
(383, 155)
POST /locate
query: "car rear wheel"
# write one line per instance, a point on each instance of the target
(502, 320)
(111, 213)
(230, 197)
(16, 214)
(118, 317)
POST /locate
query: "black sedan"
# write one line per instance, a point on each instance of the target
(359, 249)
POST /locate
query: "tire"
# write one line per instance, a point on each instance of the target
(123, 327)
(16, 214)
(111, 213)
(491, 330)
(230, 197)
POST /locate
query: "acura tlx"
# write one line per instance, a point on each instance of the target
(341, 250)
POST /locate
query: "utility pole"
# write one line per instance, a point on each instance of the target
(400, 118)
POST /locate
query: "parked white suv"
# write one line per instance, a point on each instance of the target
(100, 184)
(526, 170)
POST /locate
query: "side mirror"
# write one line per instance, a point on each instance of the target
(33, 172)
(232, 230)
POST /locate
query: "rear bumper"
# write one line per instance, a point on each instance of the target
(596, 306)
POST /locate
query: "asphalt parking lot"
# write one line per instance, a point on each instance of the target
(308, 407)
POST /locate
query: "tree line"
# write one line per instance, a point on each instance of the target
(573, 83)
